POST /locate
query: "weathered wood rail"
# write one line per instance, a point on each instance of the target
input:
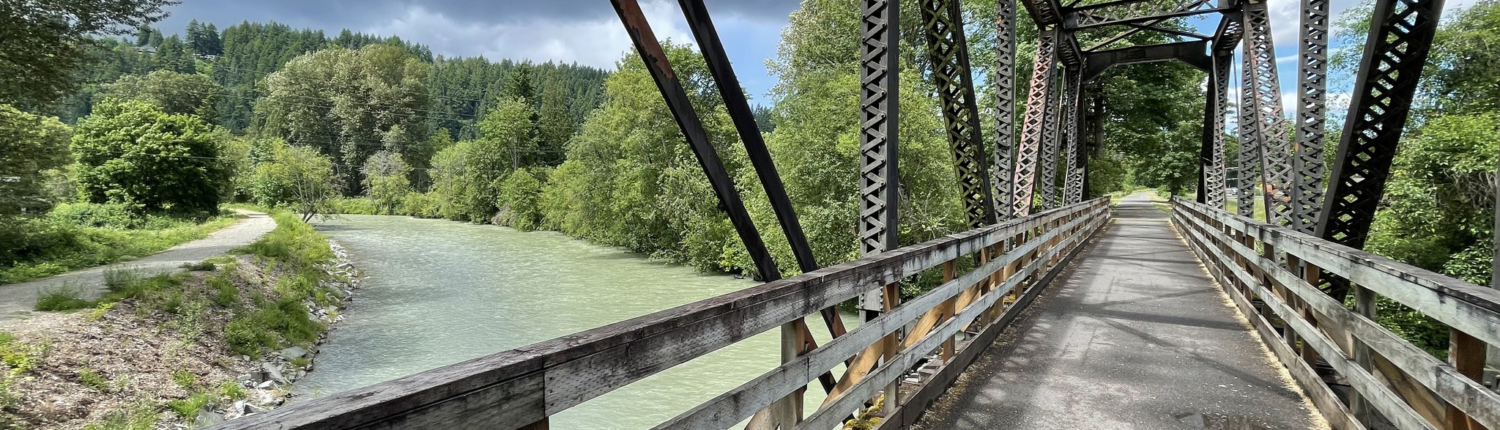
(1272, 274)
(520, 388)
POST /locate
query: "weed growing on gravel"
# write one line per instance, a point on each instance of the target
(67, 297)
(92, 379)
(188, 408)
(184, 378)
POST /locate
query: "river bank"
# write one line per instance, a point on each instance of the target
(221, 340)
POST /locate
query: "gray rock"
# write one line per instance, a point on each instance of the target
(273, 373)
(249, 379)
(293, 352)
(266, 385)
(207, 418)
(245, 408)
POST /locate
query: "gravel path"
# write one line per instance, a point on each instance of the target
(18, 300)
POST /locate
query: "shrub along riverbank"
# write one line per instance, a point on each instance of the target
(81, 235)
(220, 340)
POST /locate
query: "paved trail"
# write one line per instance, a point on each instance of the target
(1137, 336)
(18, 300)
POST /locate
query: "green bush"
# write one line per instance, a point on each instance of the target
(422, 205)
(133, 153)
(110, 215)
(357, 206)
(36, 247)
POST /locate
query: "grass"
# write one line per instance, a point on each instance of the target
(67, 247)
(64, 298)
(139, 416)
(188, 408)
(92, 379)
(184, 378)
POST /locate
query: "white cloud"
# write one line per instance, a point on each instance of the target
(598, 42)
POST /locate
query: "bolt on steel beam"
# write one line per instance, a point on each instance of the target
(1312, 87)
(1401, 34)
(948, 50)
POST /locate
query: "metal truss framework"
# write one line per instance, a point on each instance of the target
(948, 51)
(1046, 180)
(1307, 196)
(879, 90)
(1401, 33)
(1248, 178)
(1072, 172)
(1211, 182)
(1264, 106)
(1004, 77)
(1032, 128)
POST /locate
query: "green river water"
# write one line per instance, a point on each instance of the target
(440, 292)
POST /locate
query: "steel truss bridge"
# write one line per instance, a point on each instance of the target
(1133, 309)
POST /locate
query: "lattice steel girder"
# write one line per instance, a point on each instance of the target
(692, 128)
(1149, 22)
(1072, 173)
(1048, 13)
(1004, 77)
(1401, 33)
(1033, 124)
(1265, 106)
(1307, 194)
(1192, 53)
(1046, 180)
(948, 51)
(1247, 176)
(879, 108)
(1211, 182)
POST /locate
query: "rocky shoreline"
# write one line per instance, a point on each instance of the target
(271, 381)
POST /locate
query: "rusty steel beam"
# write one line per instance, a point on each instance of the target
(1046, 180)
(1211, 182)
(1191, 53)
(948, 50)
(1033, 126)
(1072, 174)
(671, 90)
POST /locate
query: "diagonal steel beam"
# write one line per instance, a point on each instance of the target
(676, 98)
(948, 50)
(1401, 34)
(1307, 194)
(1046, 180)
(1034, 124)
(1248, 172)
(1004, 78)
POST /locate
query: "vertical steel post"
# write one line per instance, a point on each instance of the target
(1072, 176)
(1265, 109)
(1312, 87)
(879, 108)
(1047, 173)
(1249, 162)
(948, 50)
(692, 128)
(1034, 124)
(1401, 34)
(1211, 182)
(1004, 78)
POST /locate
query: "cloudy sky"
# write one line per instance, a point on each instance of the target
(588, 32)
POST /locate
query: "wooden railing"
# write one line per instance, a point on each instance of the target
(1272, 273)
(520, 388)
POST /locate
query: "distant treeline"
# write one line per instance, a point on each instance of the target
(461, 89)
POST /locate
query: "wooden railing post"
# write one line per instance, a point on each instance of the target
(1467, 355)
(1364, 305)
